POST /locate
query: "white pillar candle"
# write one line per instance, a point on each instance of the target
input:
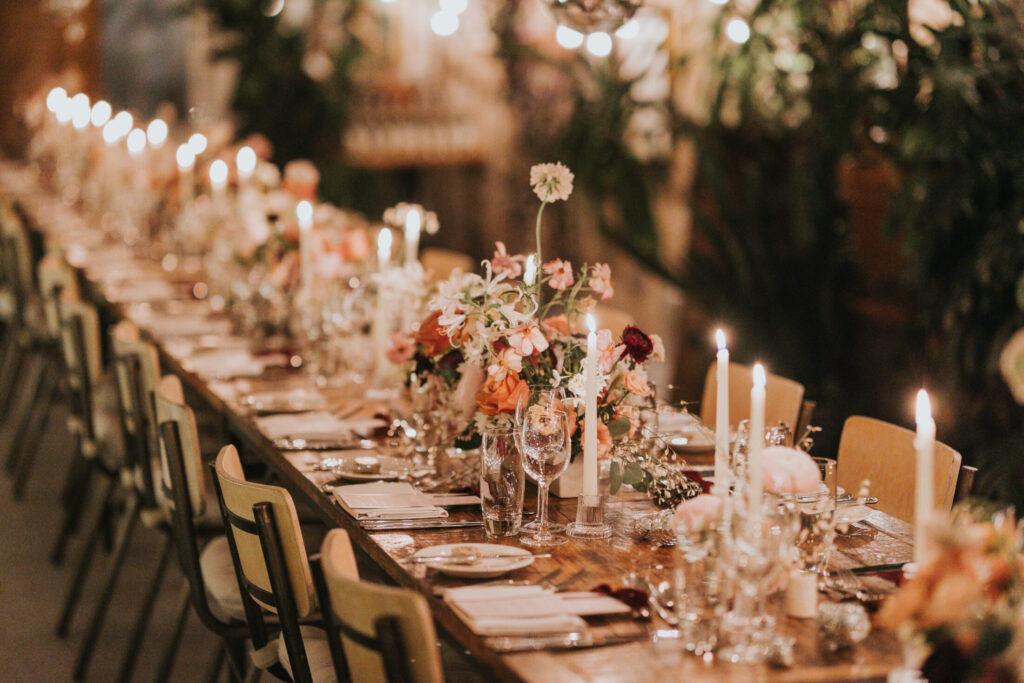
(590, 412)
(754, 466)
(304, 212)
(924, 488)
(245, 166)
(722, 474)
(218, 182)
(381, 329)
(413, 222)
(186, 159)
(802, 594)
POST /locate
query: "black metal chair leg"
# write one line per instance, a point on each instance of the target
(216, 664)
(82, 569)
(32, 436)
(99, 613)
(171, 651)
(72, 514)
(131, 651)
(21, 412)
(72, 480)
(13, 356)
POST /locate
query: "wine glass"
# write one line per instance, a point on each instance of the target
(543, 428)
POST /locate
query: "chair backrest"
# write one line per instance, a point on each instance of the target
(783, 397)
(239, 497)
(57, 283)
(17, 248)
(80, 347)
(173, 413)
(440, 263)
(386, 634)
(884, 454)
(137, 368)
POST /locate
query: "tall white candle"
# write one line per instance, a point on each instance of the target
(245, 166)
(924, 488)
(186, 159)
(754, 465)
(304, 212)
(218, 182)
(590, 412)
(413, 222)
(381, 329)
(722, 474)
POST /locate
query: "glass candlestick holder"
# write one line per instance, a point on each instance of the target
(589, 519)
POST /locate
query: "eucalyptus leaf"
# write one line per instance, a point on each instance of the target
(615, 477)
(619, 427)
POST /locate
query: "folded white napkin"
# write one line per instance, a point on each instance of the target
(146, 290)
(673, 421)
(512, 610)
(225, 364)
(176, 326)
(315, 426)
(387, 500)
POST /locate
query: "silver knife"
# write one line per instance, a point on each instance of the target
(562, 641)
(394, 525)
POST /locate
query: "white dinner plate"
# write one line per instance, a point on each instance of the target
(484, 568)
(852, 513)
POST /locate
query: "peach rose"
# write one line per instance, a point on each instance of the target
(789, 470)
(500, 396)
(301, 179)
(432, 337)
(635, 383)
(355, 245)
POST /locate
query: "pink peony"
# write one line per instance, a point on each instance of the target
(789, 470)
(694, 515)
(402, 348)
(505, 263)
(607, 352)
(601, 280)
(561, 274)
(527, 339)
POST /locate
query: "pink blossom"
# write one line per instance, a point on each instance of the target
(601, 280)
(696, 514)
(505, 263)
(527, 339)
(402, 348)
(505, 362)
(560, 272)
(607, 352)
(789, 470)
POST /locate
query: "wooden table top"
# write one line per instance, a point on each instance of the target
(879, 539)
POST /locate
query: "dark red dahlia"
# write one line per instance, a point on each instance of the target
(638, 345)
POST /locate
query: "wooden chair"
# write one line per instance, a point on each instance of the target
(181, 493)
(440, 263)
(884, 454)
(376, 633)
(784, 398)
(273, 572)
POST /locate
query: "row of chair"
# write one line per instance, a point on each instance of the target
(137, 442)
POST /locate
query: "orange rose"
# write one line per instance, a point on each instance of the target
(635, 383)
(500, 396)
(432, 337)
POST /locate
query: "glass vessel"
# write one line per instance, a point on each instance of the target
(542, 424)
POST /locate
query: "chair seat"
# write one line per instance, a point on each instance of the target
(318, 654)
(219, 577)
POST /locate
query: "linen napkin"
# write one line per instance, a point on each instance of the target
(674, 421)
(513, 610)
(225, 364)
(313, 426)
(387, 500)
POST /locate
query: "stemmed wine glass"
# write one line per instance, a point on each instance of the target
(542, 425)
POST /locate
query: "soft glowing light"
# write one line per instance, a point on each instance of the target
(101, 112)
(197, 143)
(185, 157)
(530, 270)
(599, 44)
(718, 2)
(273, 8)
(453, 6)
(738, 31)
(384, 246)
(81, 111)
(412, 223)
(304, 212)
(924, 408)
(122, 123)
(55, 98)
(720, 339)
(64, 110)
(156, 133)
(628, 30)
(444, 23)
(591, 323)
(245, 161)
(218, 174)
(136, 142)
(111, 133)
(760, 378)
(569, 38)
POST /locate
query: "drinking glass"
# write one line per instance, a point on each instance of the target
(700, 587)
(543, 428)
(502, 482)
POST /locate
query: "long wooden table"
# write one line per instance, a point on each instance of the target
(877, 540)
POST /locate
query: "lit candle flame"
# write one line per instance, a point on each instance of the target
(304, 212)
(591, 323)
(101, 112)
(156, 133)
(760, 378)
(197, 143)
(412, 223)
(218, 174)
(530, 270)
(384, 246)
(924, 407)
(245, 160)
(185, 157)
(720, 339)
(136, 142)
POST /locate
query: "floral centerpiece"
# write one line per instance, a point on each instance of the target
(488, 338)
(966, 602)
